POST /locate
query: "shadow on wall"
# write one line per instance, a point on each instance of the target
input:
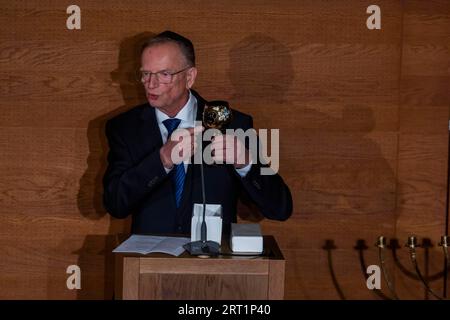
(334, 165)
(260, 67)
(95, 256)
(345, 172)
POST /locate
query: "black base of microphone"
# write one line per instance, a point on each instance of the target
(203, 248)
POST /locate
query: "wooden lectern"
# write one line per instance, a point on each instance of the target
(226, 277)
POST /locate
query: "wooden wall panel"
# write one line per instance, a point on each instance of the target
(423, 134)
(362, 117)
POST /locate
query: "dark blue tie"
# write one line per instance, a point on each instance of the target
(179, 174)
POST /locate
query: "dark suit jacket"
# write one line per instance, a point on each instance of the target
(136, 183)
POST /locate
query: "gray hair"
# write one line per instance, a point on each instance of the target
(185, 45)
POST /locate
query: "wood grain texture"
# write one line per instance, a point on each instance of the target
(131, 271)
(276, 280)
(233, 278)
(363, 119)
(423, 139)
(203, 287)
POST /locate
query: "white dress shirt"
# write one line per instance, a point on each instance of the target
(187, 115)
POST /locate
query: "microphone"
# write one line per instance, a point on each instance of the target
(216, 115)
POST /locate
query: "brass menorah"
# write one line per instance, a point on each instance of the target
(412, 244)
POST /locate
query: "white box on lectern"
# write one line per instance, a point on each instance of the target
(246, 237)
(213, 218)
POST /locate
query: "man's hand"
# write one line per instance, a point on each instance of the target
(180, 146)
(229, 149)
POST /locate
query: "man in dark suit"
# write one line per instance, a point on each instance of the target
(143, 179)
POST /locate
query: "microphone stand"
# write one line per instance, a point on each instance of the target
(203, 247)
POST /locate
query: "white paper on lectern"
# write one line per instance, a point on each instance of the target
(213, 218)
(145, 244)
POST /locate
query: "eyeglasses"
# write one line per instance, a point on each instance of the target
(164, 76)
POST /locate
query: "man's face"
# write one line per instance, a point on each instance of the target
(170, 97)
